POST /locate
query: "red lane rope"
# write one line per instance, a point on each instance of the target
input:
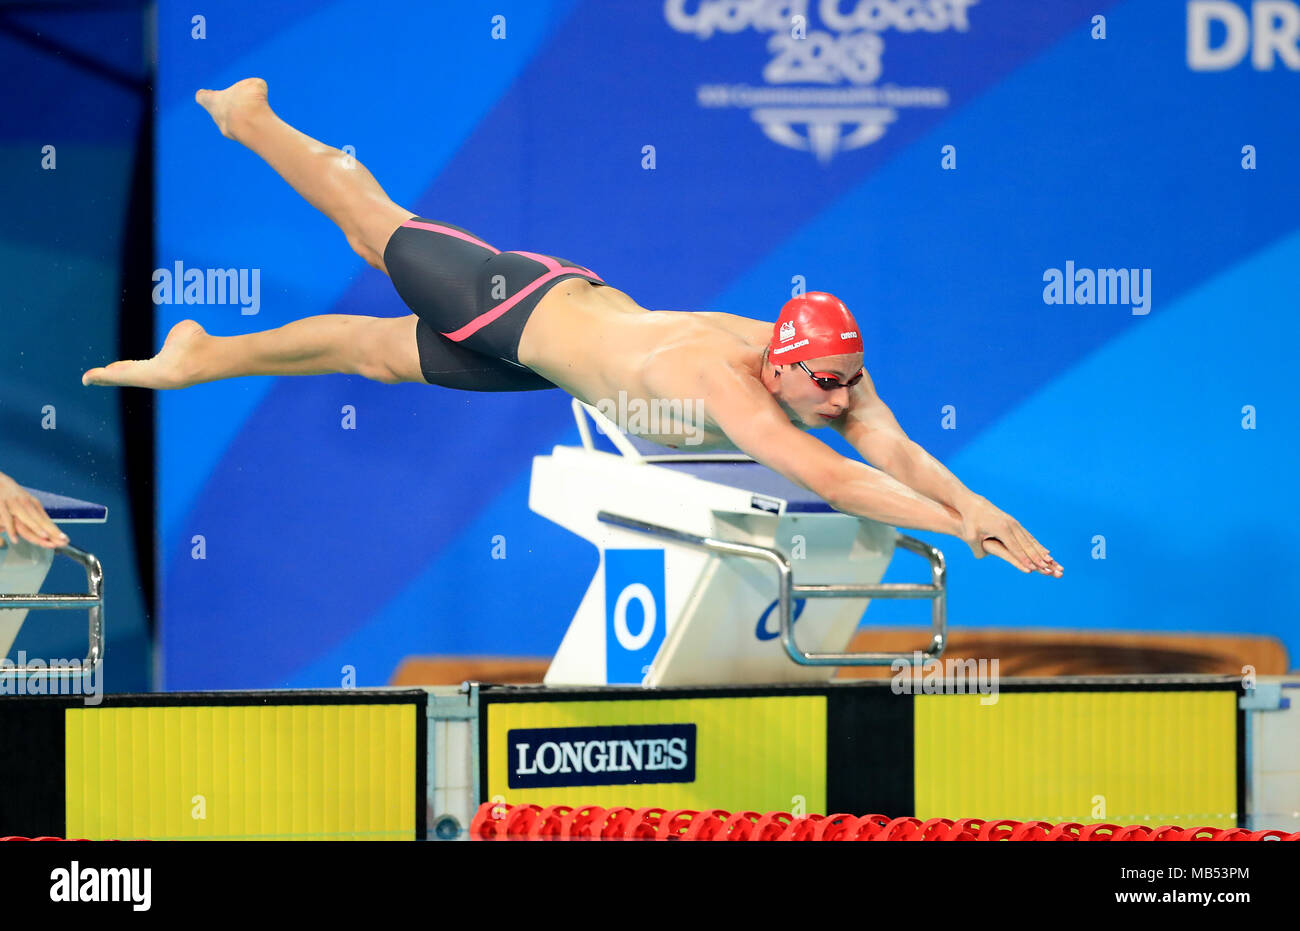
(498, 821)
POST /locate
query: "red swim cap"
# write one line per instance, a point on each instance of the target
(811, 326)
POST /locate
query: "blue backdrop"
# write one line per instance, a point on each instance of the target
(930, 169)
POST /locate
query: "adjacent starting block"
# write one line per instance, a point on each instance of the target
(24, 566)
(698, 553)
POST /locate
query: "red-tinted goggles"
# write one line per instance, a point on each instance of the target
(830, 382)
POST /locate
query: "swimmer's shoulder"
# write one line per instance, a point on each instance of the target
(752, 332)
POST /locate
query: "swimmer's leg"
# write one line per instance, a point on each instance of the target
(337, 185)
(389, 350)
(383, 349)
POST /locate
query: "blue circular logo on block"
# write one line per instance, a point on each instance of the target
(761, 631)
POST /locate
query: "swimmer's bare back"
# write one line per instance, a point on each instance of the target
(599, 345)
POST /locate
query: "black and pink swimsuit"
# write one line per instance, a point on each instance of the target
(473, 301)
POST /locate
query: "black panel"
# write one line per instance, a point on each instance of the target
(31, 767)
(422, 793)
(1243, 815)
(869, 752)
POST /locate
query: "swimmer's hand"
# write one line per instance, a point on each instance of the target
(22, 515)
(986, 529)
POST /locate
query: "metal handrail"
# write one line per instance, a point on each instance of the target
(787, 590)
(94, 602)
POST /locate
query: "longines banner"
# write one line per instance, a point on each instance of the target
(1072, 750)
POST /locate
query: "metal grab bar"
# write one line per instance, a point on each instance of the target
(94, 601)
(787, 590)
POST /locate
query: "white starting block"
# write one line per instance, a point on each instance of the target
(24, 566)
(695, 586)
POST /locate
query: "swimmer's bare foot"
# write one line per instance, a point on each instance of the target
(230, 107)
(173, 367)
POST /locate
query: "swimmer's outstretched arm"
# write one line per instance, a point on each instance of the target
(753, 422)
(382, 349)
(871, 429)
